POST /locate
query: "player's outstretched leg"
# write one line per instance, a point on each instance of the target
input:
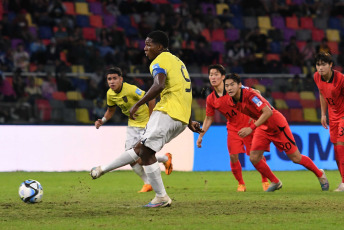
(274, 186)
(167, 161)
(323, 181)
(265, 182)
(125, 158)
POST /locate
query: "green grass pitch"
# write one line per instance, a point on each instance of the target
(201, 200)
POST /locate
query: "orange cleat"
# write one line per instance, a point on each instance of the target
(146, 188)
(241, 188)
(265, 185)
(168, 164)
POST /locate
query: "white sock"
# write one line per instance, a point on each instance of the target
(154, 177)
(162, 159)
(138, 169)
(125, 158)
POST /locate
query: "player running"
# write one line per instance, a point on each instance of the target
(331, 86)
(217, 100)
(124, 96)
(270, 126)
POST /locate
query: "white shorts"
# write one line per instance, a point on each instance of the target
(134, 135)
(161, 129)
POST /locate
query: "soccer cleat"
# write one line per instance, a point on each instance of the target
(274, 186)
(96, 172)
(323, 181)
(146, 188)
(241, 188)
(168, 164)
(159, 202)
(265, 185)
(340, 188)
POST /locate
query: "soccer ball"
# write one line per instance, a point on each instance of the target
(30, 191)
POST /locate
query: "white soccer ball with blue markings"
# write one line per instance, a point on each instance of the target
(31, 191)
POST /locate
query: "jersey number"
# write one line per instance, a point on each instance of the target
(182, 69)
(330, 101)
(233, 114)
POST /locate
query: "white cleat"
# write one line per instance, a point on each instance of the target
(323, 181)
(340, 188)
(96, 172)
(274, 186)
(159, 202)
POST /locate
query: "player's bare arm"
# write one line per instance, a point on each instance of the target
(151, 105)
(157, 87)
(208, 120)
(266, 113)
(108, 115)
(323, 106)
(195, 126)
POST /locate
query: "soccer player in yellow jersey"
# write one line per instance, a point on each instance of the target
(124, 96)
(170, 116)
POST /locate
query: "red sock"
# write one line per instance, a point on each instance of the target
(264, 178)
(336, 157)
(340, 159)
(237, 172)
(309, 164)
(265, 170)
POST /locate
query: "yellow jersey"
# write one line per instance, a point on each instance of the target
(125, 99)
(176, 98)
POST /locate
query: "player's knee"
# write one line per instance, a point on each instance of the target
(254, 159)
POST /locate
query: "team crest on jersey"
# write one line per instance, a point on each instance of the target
(256, 101)
(125, 99)
(155, 66)
(138, 91)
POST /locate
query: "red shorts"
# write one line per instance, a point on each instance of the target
(283, 140)
(235, 143)
(337, 131)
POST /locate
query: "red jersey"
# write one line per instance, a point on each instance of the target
(235, 120)
(251, 103)
(333, 93)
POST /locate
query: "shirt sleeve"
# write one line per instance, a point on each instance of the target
(108, 101)
(209, 109)
(256, 103)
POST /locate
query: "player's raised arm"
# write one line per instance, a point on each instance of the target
(323, 106)
(107, 116)
(157, 87)
(208, 120)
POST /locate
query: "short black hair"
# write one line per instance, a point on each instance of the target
(235, 77)
(324, 57)
(113, 70)
(219, 67)
(159, 37)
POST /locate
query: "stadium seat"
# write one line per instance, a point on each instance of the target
(250, 22)
(220, 7)
(38, 81)
(218, 35)
(280, 104)
(236, 10)
(69, 116)
(320, 23)
(74, 95)
(333, 47)
(278, 22)
(232, 34)
(333, 35)
(96, 21)
(109, 20)
(33, 31)
(278, 95)
(288, 33)
(292, 96)
(294, 70)
(334, 23)
(95, 8)
(70, 8)
(88, 104)
(89, 33)
(303, 35)
(260, 87)
(308, 95)
(206, 34)
(275, 35)
(310, 114)
(57, 110)
(285, 113)
(300, 44)
(81, 8)
(292, 22)
(264, 22)
(206, 6)
(296, 115)
(61, 96)
(275, 47)
(293, 103)
(317, 35)
(306, 23)
(82, 20)
(273, 56)
(307, 103)
(218, 46)
(250, 82)
(83, 116)
(43, 109)
(188, 45)
(237, 22)
(15, 42)
(45, 32)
